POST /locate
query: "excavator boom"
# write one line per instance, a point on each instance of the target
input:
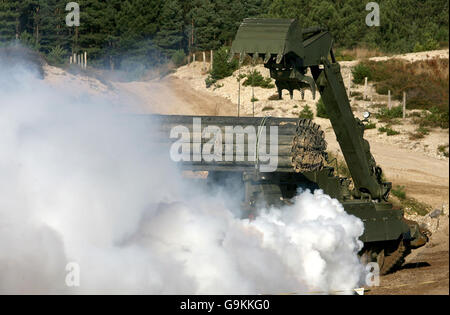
(289, 52)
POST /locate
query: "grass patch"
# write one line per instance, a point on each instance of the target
(410, 205)
(399, 192)
(386, 114)
(370, 125)
(388, 131)
(306, 113)
(420, 133)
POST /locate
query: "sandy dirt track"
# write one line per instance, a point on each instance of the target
(173, 96)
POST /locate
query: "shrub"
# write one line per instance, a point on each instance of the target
(385, 114)
(444, 150)
(221, 68)
(429, 43)
(178, 58)
(306, 113)
(388, 131)
(255, 78)
(210, 81)
(370, 125)
(57, 56)
(420, 133)
(382, 89)
(434, 118)
(321, 110)
(360, 72)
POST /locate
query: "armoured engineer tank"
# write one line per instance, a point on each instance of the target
(274, 157)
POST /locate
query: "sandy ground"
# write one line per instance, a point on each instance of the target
(426, 270)
(414, 164)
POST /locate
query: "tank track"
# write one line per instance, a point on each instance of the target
(309, 147)
(390, 256)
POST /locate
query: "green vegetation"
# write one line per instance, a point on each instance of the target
(404, 23)
(444, 150)
(387, 115)
(388, 131)
(420, 133)
(321, 110)
(56, 56)
(221, 67)
(426, 84)
(118, 33)
(255, 78)
(428, 43)
(399, 192)
(433, 118)
(360, 72)
(370, 125)
(306, 113)
(410, 205)
(178, 58)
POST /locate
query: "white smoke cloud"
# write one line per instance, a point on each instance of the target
(79, 184)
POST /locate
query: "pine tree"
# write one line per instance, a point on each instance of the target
(206, 25)
(10, 11)
(170, 36)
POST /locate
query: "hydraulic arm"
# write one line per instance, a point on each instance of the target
(289, 52)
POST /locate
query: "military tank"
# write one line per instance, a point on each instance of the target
(297, 59)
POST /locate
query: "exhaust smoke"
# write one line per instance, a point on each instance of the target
(80, 185)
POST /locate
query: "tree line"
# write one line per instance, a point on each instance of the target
(120, 34)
